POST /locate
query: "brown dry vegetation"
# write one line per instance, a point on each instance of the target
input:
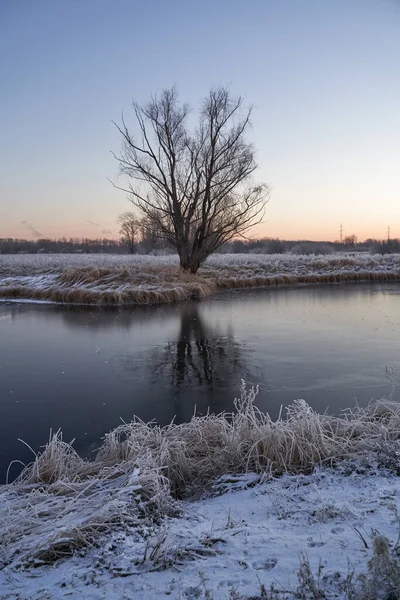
(112, 286)
(62, 502)
(276, 280)
(146, 281)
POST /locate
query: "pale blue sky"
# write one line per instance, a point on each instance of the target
(324, 76)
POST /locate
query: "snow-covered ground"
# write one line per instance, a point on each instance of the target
(112, 528)
(247, 536)
(123, 279)
(52, 263)
(276, 263)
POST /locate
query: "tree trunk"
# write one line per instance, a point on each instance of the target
(188, 266)
(185, 258)
(190, 261)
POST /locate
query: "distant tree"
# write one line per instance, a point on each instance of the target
(194, 185)
(152, 237)
(129, 229)
(350, 240)
(388, 247)
(239, 246)
(274, 246)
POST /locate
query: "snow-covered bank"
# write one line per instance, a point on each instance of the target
(219, 507)
(251, 538)
(119, 279)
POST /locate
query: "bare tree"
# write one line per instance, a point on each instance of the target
(193, 184)
(152, 237)
(350, 240)
(129, 229)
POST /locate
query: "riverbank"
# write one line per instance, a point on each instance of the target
(224, 506)
(123, 280)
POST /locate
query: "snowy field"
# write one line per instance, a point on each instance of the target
(234, 507)
(124, 279)
(18, 264)
(252, 537)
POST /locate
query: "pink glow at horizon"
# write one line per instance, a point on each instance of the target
(323, 77)
(315, 232)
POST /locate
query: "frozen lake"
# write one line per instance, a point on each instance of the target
(82, 369)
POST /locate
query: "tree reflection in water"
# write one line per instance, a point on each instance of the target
(200, 366)
(203, 363)
(201, 355)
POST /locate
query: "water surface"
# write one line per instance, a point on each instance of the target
(83, 369)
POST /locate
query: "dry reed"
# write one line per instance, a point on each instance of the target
(119, 280)
(62, 502)
(106, 286)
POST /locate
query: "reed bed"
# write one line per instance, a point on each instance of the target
(62, 502)
(119, 285)
(121, 280)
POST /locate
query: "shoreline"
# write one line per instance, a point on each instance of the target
(159, 504)
(330, 535)
(159, 298)
(94, 280)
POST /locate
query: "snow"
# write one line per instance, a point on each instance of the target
(26, 301)
(26, 264)
(124, 279)
(31, 264)
(249, 532)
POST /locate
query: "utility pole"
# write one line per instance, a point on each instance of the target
(388, 233)
(341, 233)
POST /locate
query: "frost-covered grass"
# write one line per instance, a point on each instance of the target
(34, 264)
(62, 503)
(330, 535)
(122, 279)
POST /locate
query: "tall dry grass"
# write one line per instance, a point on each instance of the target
(109, 286)
(62, 502)
(118, 280)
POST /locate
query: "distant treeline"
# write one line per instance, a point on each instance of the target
(260, 246)
(277, 246)
(62, 246)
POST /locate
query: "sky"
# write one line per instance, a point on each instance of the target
(323, 76)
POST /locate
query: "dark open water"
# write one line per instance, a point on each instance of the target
(81, 369)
